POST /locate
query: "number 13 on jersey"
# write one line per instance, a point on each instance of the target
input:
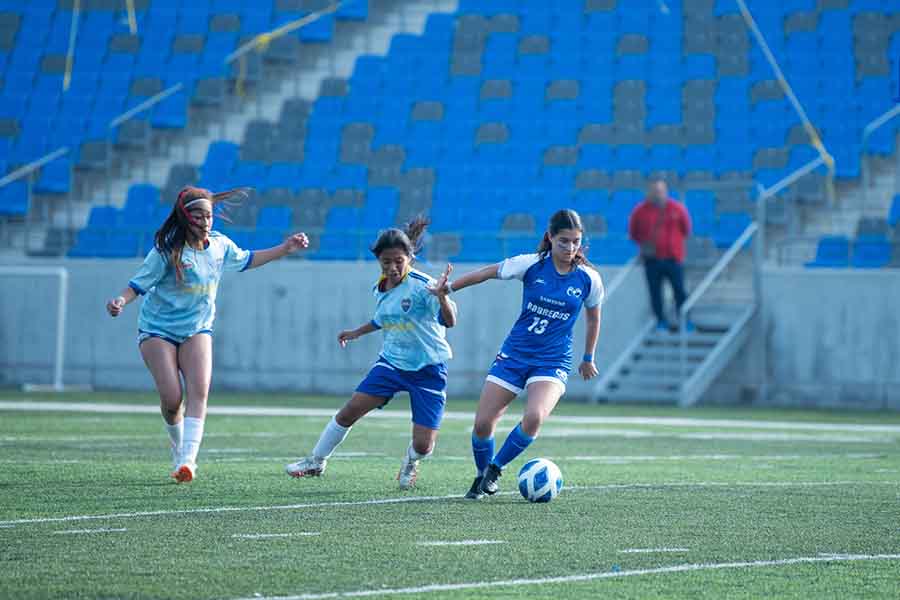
(538, 326)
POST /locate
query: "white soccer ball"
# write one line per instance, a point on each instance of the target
(540, 480)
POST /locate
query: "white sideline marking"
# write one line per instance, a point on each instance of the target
(230, 450)
(77, 531)
(462, 543)
(407, 499)
(260, 411)
(449, 587)
(716, 457)
(652, 550)
(768, 436)
(264, 536)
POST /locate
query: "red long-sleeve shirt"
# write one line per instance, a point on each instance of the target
(669, 234)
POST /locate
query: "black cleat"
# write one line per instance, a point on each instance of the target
(475, 492)
(489, 483)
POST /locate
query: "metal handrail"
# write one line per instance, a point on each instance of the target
(33, 166)
(868, 130)
(619, 279)
(263, 39)
(146, 104)
(704, 286)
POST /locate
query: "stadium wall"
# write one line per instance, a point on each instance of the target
(833, 336)
(832, 340)
(276, 328)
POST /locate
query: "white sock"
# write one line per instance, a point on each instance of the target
(193, 435)
(331, 438)
(176, 432)
(413, 455)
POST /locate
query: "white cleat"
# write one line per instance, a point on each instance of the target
(311, 466)
(185, 472)
(409, 471)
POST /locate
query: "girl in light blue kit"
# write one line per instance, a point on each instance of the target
(179, 279)
(413, 311)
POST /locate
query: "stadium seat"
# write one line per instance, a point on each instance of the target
(871, 252)
(833, 252)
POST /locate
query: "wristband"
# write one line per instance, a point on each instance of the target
(588, 358)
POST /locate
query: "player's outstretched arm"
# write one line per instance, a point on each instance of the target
(114, 306)
(473, 278)
(291, 244)
(351, 334)
(588, 369)
(440, 290)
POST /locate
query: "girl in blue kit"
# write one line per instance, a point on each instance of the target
(179, 279)
(537, 354)
(412, 311)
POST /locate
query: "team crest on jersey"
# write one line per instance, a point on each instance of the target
(406, 304)
(187, 264)
(574, 291)
(563, 376)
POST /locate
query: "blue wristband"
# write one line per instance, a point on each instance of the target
(588, 358)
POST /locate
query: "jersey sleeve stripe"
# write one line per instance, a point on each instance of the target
(249, 262)
(137, 289)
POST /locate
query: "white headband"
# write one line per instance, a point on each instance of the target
(196, 200)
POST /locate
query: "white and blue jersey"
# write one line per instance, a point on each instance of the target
(410, 318)
(539, 347)
(415, 349)
(177, 310)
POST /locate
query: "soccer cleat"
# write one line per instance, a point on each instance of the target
(489, 483)
(310, 466)
(409, 470)
(475, 492)
(184, 473)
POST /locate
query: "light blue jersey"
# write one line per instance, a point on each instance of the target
(410, 317)
(181, 310)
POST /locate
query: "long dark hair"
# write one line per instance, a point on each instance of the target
(408, 239)
(564, 219)
(176, 231)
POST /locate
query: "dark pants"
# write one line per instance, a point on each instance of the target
(658, 269)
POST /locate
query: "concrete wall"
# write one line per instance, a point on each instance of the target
(276, 328)
(832, 340)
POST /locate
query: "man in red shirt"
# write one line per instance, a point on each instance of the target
(659, 225)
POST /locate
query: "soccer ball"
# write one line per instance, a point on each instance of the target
(540, 480)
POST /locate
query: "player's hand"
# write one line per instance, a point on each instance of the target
(588, 370)
(114, 307)
(298, 241)
(441, 287)
(345, 337)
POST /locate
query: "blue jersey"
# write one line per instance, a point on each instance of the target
(410, 317)
(186, 308)
(551, 303)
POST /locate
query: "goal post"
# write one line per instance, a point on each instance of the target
(61, 275)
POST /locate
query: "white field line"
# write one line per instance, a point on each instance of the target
(462, 543)
(260, 411)
(80, 531)
(266, 536)
(755, 436)
(138, 436)
(652, 550)
(715, 457)
(685, 568)
(417, 499)
(230, 451)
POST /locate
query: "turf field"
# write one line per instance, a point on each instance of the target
(706, 503)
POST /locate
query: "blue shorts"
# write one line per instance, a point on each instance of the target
(427, 389)
(515, 375)
(175, 340)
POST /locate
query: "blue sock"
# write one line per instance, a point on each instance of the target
(483, 451)
(515, 444)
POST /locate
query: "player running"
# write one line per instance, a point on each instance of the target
(413, 311)
(537, 353)
(180, 277)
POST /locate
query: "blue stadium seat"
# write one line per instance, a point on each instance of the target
(274, 217)
(833, 252)
(729, 228)
(14, 199)
(55, 177)
(871, 252)
(894, 212)
(612, 250)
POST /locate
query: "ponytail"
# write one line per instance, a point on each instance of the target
(408, 239)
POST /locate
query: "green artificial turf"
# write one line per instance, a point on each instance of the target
(715, 494)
